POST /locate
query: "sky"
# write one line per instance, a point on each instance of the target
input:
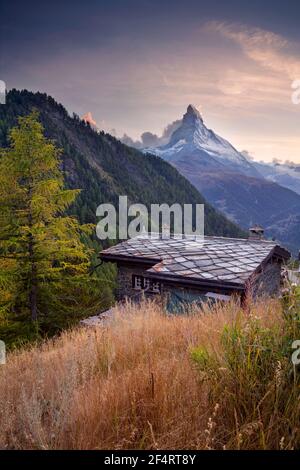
(136, 65)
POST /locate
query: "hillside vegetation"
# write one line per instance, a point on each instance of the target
(217, 379)
(45, 263)
(55, 171)
(104, 168)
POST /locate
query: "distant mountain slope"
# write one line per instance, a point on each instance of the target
(287, 175)
(103, 167)
(231, 182)
(253, 200)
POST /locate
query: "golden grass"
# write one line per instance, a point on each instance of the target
(132, 384)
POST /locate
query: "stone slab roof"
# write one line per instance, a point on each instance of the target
(211, 259)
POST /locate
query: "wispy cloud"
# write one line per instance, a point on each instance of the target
(238, 75)
(271, 50)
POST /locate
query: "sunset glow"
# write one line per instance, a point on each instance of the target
(137, 68)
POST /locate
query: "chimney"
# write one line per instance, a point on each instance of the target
(256, 233)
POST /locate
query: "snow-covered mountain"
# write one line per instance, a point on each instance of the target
(206, 149)
(245, 191)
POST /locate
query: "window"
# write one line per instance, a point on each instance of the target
(138, 282)
(156, 287)
(144, 283)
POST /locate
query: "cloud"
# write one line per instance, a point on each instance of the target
(169, 129)
(130, 142)
(241, 76)
(148, 139)
(268, 49)
(247, 155)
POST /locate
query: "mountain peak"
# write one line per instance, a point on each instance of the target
(192, 121)
(193, 138)
(192, 112)
(89, 118)
(192, 128)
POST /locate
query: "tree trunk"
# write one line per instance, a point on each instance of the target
(33, 295)
(33, 280)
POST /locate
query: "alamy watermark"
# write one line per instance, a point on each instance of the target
(2, 353)
(163, 220)
(296, 353)
(2, 92)
(296, 93)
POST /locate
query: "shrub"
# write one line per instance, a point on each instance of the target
(254, 382)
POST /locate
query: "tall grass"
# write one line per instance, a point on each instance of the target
(214, 379)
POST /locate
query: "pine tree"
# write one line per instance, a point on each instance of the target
(43, 262)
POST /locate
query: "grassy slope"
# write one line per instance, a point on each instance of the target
(215, 381)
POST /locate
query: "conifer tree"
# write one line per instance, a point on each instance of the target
(43, 262)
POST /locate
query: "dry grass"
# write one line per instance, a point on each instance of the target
(135, 384)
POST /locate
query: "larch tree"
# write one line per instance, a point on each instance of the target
(43, 262)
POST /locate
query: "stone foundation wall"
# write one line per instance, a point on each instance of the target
(267, 283)
(124, 282)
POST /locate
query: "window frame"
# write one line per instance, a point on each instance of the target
(146, 284)
(136, 278)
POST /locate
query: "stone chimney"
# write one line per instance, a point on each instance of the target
(256, 233)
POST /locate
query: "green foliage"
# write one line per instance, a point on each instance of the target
(254, 381)
(44, 264)
(205, 362)
(104, 168)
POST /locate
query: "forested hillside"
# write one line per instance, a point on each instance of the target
(104, 168)
(48, 275)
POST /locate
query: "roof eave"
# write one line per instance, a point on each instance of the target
(185, 280)
(129, 259)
